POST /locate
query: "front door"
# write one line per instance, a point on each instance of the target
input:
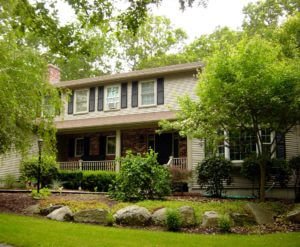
(163, 146)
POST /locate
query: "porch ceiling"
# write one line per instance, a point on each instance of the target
(114, 121)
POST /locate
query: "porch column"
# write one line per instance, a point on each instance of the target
(189, 141)
(118, 148)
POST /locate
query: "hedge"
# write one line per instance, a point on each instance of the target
(87, 180)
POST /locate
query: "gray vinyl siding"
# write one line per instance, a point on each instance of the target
(292, 140)
(198, 154)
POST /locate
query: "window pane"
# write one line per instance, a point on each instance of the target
(241, 145)
(111, 145)
(81, 100)
(112, 95)
(147, 93)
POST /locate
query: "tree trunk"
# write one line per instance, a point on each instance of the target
(262, 166)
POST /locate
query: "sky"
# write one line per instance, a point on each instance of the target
(194, 21)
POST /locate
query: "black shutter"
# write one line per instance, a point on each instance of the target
(280, 146)
(92, 99)
(71, 147)
(134, 96)
(86, 148)
(71, 103)
(100, 98)
(124, 95)
(160, 91)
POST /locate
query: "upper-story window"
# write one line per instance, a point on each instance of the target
(81, 101)
(148, 93)
(112, 100)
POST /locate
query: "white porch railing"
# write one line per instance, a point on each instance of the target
(180, 163)
(101, 165)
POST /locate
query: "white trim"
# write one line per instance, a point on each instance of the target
(118, 104)
(75, 147)
(140, 93)
(106, 151)
(87, 103)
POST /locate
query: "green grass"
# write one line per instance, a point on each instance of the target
(28, 231)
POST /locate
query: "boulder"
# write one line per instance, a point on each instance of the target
(294, 216)
(261, 215)
(188, 216)
(50, 209)
(61, 214)
(96, 216)
(159, 217)
(133, 216)
(33, 209)
(242, 219)
(210, 219)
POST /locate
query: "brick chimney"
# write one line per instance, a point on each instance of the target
(53, 74)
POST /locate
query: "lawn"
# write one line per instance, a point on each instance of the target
(29, 231)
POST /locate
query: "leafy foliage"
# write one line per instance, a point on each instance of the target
(212, 173)
(43, 194)
(97, 180)
(141, 177)
(48, 169)
(70, 179)
(173, 220)
(225, 223)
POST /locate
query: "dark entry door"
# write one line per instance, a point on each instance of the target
(163, 146)
(102, 147)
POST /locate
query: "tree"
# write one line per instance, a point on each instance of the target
(249, 87)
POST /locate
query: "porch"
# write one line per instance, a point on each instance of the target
(98, 150)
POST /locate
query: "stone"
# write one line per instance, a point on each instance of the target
(33, 209)
(61, 214)
(210, 219)
(294, 216)
(240, 219)
(188, 216)
(261, 215)
(159, 217)
(133, 216)
(95, 216)
(50, 209)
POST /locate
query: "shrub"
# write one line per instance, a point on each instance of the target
(173, 220)
(179, 179)
(9, 181)
(212, 172)
(225, 223)
(97, 180)
(110, 219)
(48, 169)
(70, 179)
(294, 164)
(140, 178)
(44, 193)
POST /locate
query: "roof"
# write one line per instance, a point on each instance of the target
(133, 75)
(114, 121)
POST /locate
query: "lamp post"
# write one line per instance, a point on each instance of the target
(40, 146)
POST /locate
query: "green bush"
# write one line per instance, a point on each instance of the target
(225, 223)
(70, 179)
(9, 181)
(44, 193)
(173, 220)
(141, 177)
(48, 169)
(212, 173)
(97, 180)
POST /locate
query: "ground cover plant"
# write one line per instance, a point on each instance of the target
(18, 230)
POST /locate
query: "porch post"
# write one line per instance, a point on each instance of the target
(118, 148)
(189, 142)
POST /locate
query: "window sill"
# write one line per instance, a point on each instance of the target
(147, 106)
(80, 113)
(110, 110)
(237, 163)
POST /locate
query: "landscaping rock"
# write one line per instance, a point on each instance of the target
(242, 219)
(96, 216)
(159, 217)
(61, 214)
(50, 209)
(261, 215)
(33, 209)
(210, 219)
(188, 216)
(294, 216)
(133, 216)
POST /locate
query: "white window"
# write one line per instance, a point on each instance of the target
(147, 93)
(110, 145)
(79, 147)
(81, 101)
(112, 97)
